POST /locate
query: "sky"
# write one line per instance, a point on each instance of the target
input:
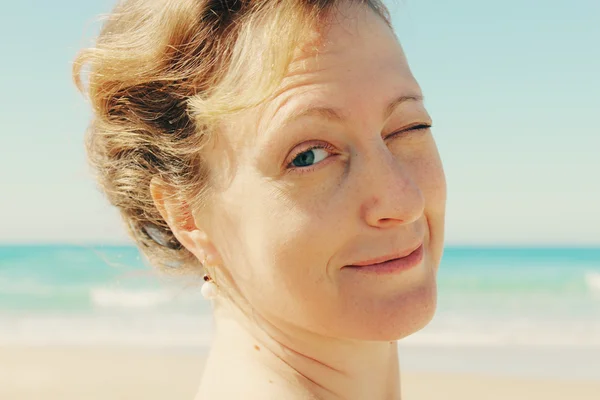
(512, 86)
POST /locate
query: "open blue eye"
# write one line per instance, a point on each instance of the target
(310, 157)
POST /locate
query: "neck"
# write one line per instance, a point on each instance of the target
(329, 368)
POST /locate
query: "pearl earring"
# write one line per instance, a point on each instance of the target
(209, 288)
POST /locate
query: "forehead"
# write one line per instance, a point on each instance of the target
(355, 60)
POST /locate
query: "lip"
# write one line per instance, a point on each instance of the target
(391, 263)
(389, 257)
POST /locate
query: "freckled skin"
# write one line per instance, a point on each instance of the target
(285, 236)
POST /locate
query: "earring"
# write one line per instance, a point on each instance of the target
(209, 289)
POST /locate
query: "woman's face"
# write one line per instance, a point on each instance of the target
(337, 168)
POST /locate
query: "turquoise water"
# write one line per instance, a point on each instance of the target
(487, 297)
(76, 279)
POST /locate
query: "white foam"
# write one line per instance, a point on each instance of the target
(129, 330)
(128, 298)
(502, 330)
(592, 279)
(479, 339)
(141, 327)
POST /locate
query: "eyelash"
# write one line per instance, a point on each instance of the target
(330, 148)
(419, 127)
(302, 170)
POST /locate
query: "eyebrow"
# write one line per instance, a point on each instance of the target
(333, 114)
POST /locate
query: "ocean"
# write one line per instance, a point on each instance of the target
(520, 311)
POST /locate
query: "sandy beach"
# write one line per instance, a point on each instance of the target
(69, 373)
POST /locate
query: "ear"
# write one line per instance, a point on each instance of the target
(180, 218)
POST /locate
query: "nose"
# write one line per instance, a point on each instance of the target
(392, 196)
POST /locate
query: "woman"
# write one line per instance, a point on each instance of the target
(282, 149)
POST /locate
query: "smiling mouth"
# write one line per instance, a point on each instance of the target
(390, 257)
(385, 265)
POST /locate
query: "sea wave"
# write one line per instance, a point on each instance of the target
(28, 294)
(537, 338)
(128, 298)
(196, 329)
(108, 297)
(108, 329)
(493, 330)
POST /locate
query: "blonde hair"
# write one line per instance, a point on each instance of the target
(160, 77)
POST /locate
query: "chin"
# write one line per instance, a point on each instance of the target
(413, 314)
(395, 318)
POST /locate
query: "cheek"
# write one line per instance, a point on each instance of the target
(428, 172)
(422, 160)
(432, 181)
(277, 250)
(295, 253)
